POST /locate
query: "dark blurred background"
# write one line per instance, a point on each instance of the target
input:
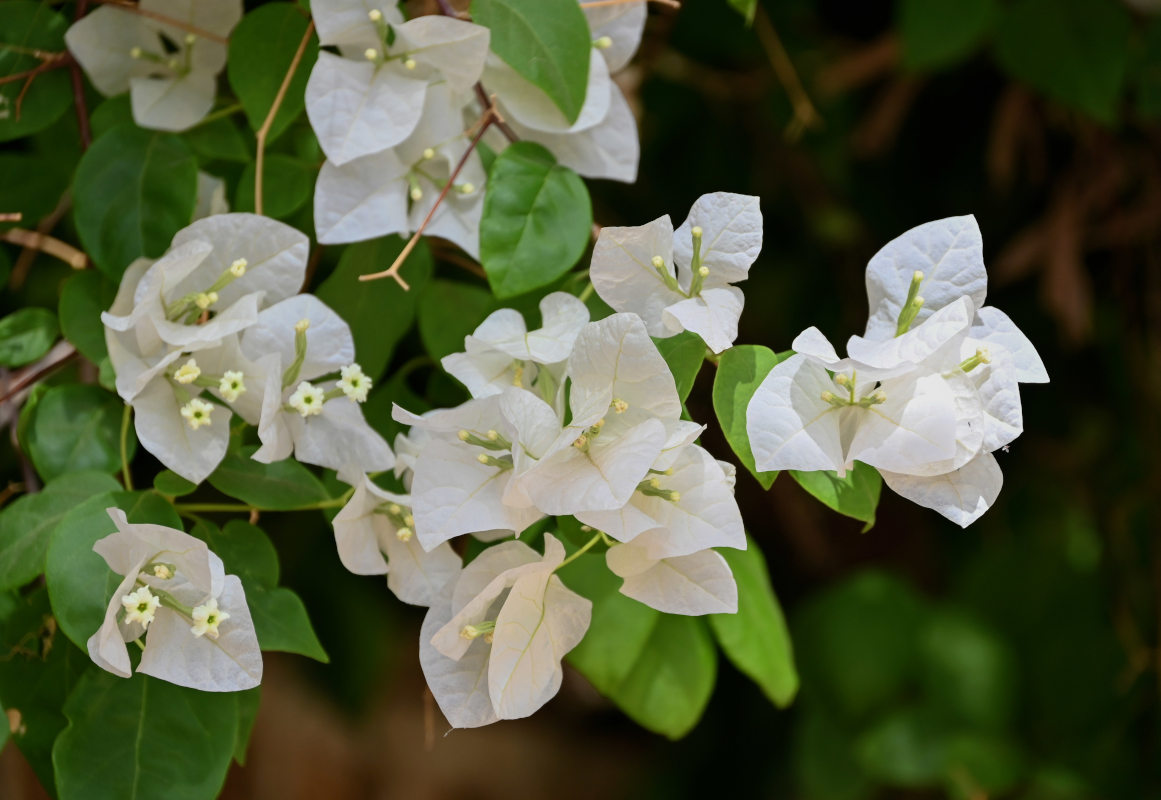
(1019, 658)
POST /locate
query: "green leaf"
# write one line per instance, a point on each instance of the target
(82, 299)
(287, 184)
(38, 670)
(746, 8)
(1075, 51)
(856, 495)
(991, 764)
(537, 219)
(281, 486)
(281, 622)
(219, 140)
(111, 113)
(133, 190)
(28, 27)
(968, 671)
(756, 638)
(658, 668)
(684, 353)
(27, 523)
(144, 738)
(449, 311)
(938, 33)
(171, 484)
(248, 702)
(362, 304)
(907, 748)
(26, 335)
(824, 761)
(546, 41)
(33, 185)
(1148, 73)
(77, 428)
(245, 550)
(261, 49)
(740, 371)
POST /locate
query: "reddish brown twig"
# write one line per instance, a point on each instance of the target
(59, 356)
(11, 216)
(259, 163)
(133, 8)
(47, 244)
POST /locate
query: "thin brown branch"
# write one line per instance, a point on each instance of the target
(805, 115)
(11, 216)
(47, 244)
(28, 254)
(603, 3)
(259, 164)
(490, 108)
(59, 356)
(79, 104)
(133, 8)
(463, 262)
(490, 117)
(58, 60)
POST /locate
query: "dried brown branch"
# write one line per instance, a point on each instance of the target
(264, 131)
(36, 240)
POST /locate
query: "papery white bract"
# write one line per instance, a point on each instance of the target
(492, 647)
(193, 592)
(633, 268)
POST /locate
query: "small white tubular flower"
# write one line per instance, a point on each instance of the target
(360, 106)
(492, 647)
(187, 372)
(207, 618)
(372, 524)
(198, 592)
(121, 51)
(354, 384)
(140, 606)
(197, 413)
(632, 268)
(238, 267)
(232, 385)
(307, 399)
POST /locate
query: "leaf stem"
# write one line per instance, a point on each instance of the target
(587, 546)
(217, 115)
(265, 129)
(587, 292)
(333, 502)
(126, 478)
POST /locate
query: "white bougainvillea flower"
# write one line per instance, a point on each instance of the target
(371, 97)
(194, 619)
(502, 352)
(375, 523)
(211, 197)
(633, 268)
(941, 262)
(617, 31)
(393, 191)
(170, 73)
(694, 584)
(492, 649)
(462, 474)
(962, 495)
(309, 341)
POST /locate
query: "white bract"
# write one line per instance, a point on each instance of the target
(172, 333)
(194, 619)
(633, 268)
(617, 30)
(302, 410)
(375, 523)
(169, 71)
(502, 352)
(370, 98)
(491, 647)
(393, 190)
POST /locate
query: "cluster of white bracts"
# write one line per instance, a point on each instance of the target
(178, 602)
(216, 325)
(171, 87)
(393, 112)
(613, 452)
(633, 268)
(926, 395)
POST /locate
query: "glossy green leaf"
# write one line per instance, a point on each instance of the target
(112, 112)
(26, 335)
(248, 702)
(171, 484)
(245, 550)
(746, 8)
(27, 27)
(287, 184)
(546, 41)
(144, 738)
(364, 304)
(133, 190)
(756, 638)
(281, 622)
(658, 668)
(281, 486)
(856, 495)
(84, 296)
(740, 371)
(684, 353)
(262, 47)
(26, 524)
(78, 428)
(449, 311)
(1075, 51)
(938, 33)
(31, 186)
(537, 220)
(220, 140)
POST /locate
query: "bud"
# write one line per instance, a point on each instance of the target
(466, 188)
(173, 64)
(205, 299)
(371, 54)
(696, 232)
(409, 64)
(492, 435)
(580, 442)
(190, 39)
(375, 14)
(658, 262)
(463, 437)
(238, 268)
(302, 326)
(843, 380)
(162, 571)
(619, 405)
(416, 193)
(603, 43)
(404, 534)
(703, 271)
(428, 153)
(395, 509)
(482, 458)
(136, 52)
